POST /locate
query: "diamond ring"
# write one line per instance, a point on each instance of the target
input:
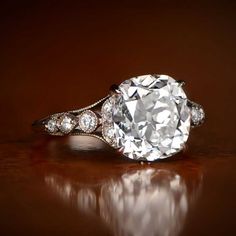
(147, 118)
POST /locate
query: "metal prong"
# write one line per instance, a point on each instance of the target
(181, 82)
(114, 89)
(120, 149)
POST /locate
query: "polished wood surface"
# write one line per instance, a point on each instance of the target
(61, 56)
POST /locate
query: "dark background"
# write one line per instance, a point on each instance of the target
(61, 55)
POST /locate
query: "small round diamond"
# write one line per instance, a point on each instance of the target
(67, 123)
(51, 126)
(197, 115)
(108, 133)
(107, 109)
(88, 121)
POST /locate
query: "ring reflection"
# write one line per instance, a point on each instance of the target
(146, 201)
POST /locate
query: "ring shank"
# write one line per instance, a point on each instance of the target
(41, 125)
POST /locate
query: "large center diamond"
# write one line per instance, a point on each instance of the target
(151, 118)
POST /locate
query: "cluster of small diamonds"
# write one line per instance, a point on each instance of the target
(108, 131)
(197, 114)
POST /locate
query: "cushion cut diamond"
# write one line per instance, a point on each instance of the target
(151, 118)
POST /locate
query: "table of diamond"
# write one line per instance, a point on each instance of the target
(58, 57)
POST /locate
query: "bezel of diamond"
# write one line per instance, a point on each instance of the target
(91, 127)
(67, 123)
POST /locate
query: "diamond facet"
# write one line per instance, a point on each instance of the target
(88, 121)
(151, 118)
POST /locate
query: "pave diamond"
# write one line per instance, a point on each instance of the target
(88, 121)
(150, 117)
(67, 123)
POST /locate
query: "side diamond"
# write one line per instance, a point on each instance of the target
(88, 121)
(51, 126)
(197, 115)
(67, 123)
(107, 109)
(108, 131)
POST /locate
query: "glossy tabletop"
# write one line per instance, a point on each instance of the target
(63, 56)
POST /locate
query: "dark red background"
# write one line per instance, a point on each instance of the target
(60, 55)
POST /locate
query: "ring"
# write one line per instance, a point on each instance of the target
(146, 118)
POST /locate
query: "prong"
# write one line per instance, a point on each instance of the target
(181, 82)
(114, 89)
(120, 149)
(184, 148)
(99, 121)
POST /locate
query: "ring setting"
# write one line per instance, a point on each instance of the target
(146, 118)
